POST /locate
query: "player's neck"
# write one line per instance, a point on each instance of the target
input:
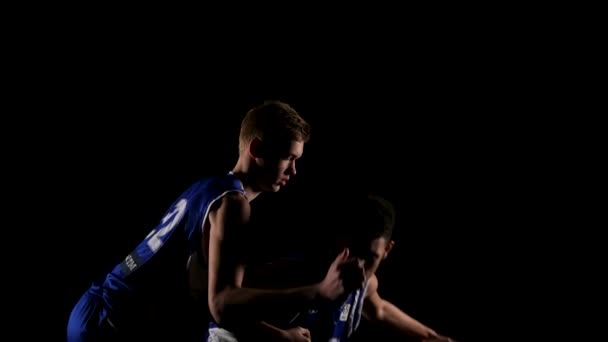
(241, 171)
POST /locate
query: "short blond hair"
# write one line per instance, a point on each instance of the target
(273, 120)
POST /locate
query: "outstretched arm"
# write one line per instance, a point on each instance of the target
(379, 310)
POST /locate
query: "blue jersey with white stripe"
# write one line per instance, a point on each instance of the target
(161, 258)
(337, 321)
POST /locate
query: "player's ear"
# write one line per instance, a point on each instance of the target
(255, 148)
(388, 248)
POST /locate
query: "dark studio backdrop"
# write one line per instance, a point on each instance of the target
(131, 124)
(442, 173)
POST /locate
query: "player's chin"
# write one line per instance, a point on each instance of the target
(273, 187)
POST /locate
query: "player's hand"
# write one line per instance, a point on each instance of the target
(353, 273)
(297, 334)
(344, 275)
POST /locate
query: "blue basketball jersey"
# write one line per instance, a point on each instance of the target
(163, 254)
(337, 321)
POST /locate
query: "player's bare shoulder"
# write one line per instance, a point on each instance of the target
(372, 286)
(229, 212)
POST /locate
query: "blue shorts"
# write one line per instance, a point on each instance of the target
(88, 321)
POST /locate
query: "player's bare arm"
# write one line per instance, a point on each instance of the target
(263, 331)
(379, 310)
(228, 301)
(228, 218)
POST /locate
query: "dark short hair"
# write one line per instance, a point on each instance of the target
(369, 217)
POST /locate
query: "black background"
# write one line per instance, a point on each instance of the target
(448, 124)
(452, 181)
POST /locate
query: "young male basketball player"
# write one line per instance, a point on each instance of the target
(136, 300)
(367, 234)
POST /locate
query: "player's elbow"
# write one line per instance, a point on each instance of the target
(216, 308)
(379, 313)
(375, 312)
(221, 309)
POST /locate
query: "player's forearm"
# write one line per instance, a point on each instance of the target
(404, 323)
(255, 304)
(269, 332)
(260, 331)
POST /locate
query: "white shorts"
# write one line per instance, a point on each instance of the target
(220, 335)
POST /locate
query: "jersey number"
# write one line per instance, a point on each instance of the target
(170, 221)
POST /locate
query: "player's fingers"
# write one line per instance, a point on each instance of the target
(305, 332)
(353, 272)
(346, 253)
(345, 263)
(363, 274)
(341, 257)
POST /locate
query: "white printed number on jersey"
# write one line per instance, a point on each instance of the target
(344, 313)
(171, 220)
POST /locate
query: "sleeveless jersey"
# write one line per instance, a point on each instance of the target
(163, 255)
(337, 321)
